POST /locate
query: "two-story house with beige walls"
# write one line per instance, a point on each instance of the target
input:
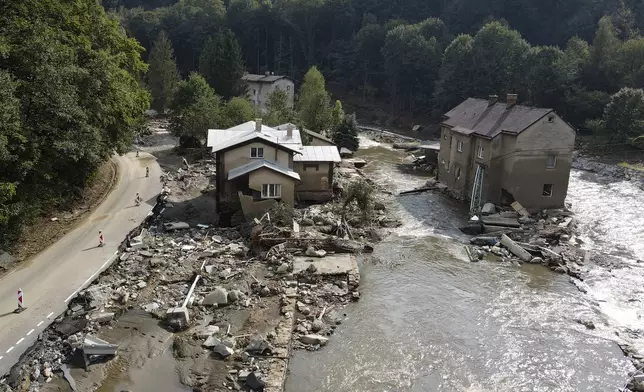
(260, 87)
(525, 152)
(258, 163)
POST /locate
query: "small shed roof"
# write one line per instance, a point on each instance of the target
(318, 154)
(258, 164)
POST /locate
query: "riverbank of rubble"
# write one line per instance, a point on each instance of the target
(260, 290)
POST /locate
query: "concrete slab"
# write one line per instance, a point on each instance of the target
(338, 264)
(498, 220)
(95, 346)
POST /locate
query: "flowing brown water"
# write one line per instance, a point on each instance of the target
(429, 320)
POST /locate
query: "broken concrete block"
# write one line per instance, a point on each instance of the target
(206, 332)
(151, 307)
(102, 317)
(170, 226)
(95, 346)
(223, 350)
(520, 209)
(515, 249)
(259, 345)
(313, 339)
(255, 383)
(145, 253)
(317, 325)
(217, 297)
(210, 269)
(282, 269)
(488, 208)
(141, 285)
(211, 342)
(311, 252)
(178, 316)
(234, 296)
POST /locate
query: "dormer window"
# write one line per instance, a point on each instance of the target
(257, 152)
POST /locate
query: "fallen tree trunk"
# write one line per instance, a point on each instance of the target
(418, 190)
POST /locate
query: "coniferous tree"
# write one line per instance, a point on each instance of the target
(162, 73)
(346, 134)
(222, 65)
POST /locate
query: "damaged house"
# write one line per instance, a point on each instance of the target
(258, 165)
(521, 153)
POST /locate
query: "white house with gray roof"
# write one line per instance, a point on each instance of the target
(265, 163)
(260, 87)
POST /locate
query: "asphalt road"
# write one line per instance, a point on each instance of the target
(53, 277)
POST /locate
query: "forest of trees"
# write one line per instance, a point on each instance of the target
(70, 95)
(76, 77)
(421, 57)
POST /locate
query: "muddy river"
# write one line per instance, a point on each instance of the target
(429, 320)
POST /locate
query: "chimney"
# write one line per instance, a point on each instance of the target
(258, 125)
(289, 131)
(492, 100)
(511, 100)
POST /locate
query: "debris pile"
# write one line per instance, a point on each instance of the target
(545, 238)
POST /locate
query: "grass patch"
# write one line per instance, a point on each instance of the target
(632, 166)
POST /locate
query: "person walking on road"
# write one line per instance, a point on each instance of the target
(101, 240)
(137, 200)
(147, 172)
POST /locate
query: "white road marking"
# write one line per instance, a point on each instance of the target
(39, 324)
(20, 341)
(10, 348)
(92, 277)
(1, 357)
(30, 332)
(50, 314)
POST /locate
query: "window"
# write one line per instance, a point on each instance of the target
(552, 162)
(547, 190)
(450, 141)
(459, 145)
(311, 167)
(257, 152)
(445, 135)
(254, 92)
(457, 173)
(271, 191)
(288, 88)
(551, 119)
(479, 153)
(447, 166)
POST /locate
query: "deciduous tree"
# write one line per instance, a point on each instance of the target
(313, 102)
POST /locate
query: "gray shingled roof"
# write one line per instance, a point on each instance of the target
(258, 164)
(476, 116)
(263, 78)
